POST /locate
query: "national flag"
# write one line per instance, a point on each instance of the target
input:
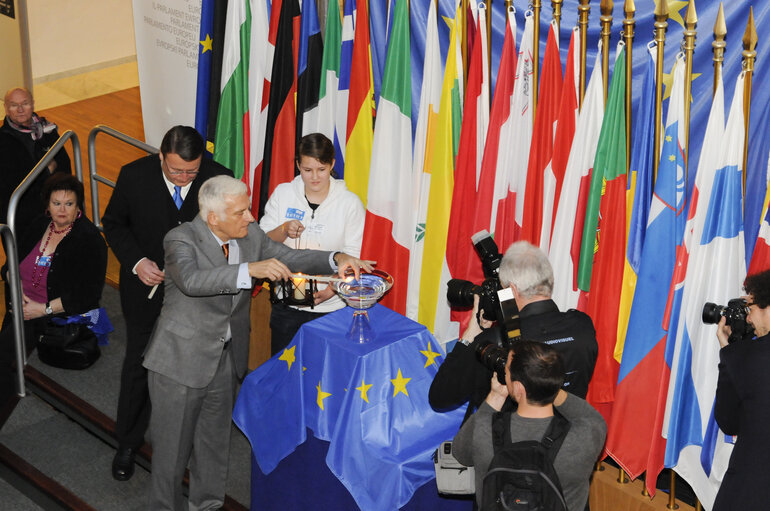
(360, 125)
(760, 258)
(433, 308)
(321, 119)
(390, 214)
(631, 434)
(231, 147)
(564, 252)
(380, 26)
(562, 140)
(261, 51)
(515, 156)
(638, 194)
(343, 91)
(695, 448)
(492, 183)
(205, 53)
(604, 238)
(278, 163)
(540, 177)
(308, 69)
(219, 25)
(422, 155)
(462, 262)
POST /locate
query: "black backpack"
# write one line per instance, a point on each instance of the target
(521, 475)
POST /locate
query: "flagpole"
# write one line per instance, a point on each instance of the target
(719, 44)
(464, 40)
(535, 56)
(556, 6)
(583, 10)
(661, 24)
(628, 34)
(606, 21)
(691, 20)
(749, 54)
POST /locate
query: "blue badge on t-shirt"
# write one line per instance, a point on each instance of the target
(295, 214)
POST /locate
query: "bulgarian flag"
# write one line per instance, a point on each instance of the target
(390, 210)
(360, 126)
(602, 252)
(231, 145)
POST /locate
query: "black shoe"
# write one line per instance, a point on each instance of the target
(123, 463)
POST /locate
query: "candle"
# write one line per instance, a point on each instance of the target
(299, 288)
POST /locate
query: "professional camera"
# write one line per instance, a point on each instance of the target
(493, 357)
(496, 303)
(735, 313)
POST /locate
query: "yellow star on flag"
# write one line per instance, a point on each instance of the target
(674, 6)
(430, 356)
(288, 356)
(399, 384)
(206, 43)
(321, 396)
(671, 157)
(668, 81)
(668, 138)
(363, 389)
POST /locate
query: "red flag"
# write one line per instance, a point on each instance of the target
(541, 149)
(760, 258)
(460, 254)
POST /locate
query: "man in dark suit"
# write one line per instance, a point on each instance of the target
(201, 341)
(152, 195)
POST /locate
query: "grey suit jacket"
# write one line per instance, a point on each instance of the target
(202, 299)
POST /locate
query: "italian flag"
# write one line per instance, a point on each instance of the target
(390, 212)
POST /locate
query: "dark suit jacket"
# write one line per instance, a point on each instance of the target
(742, 408)
(202, 299)
(18, 156)
(138, 216)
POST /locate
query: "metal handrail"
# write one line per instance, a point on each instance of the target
(17, 312)
(39, 168)
(96, 178)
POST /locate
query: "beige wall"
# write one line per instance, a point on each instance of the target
(11, 71)
(72, 36)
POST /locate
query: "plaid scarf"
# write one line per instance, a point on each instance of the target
(38, 127)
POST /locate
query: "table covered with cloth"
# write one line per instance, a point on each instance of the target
(368, 401)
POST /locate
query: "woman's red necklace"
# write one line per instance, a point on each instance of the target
(37, 277)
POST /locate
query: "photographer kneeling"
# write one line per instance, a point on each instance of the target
(742, 404)
(534, 373)
(463, 377)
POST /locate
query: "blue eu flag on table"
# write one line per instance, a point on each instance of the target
(369, 401)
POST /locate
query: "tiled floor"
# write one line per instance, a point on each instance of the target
(86, 85)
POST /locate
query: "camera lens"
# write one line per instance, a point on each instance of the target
(459, 293)
(712, 313)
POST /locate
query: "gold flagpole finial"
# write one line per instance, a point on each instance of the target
(691, 20)
(719, 44)
(536, 6)
(749, 55)
(661, 25)
(583, 10)
(628, 36)
(556, 6)
(606, 20)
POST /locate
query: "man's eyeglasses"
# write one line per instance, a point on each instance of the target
(185, 172)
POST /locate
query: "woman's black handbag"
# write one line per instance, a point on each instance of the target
(68, 346)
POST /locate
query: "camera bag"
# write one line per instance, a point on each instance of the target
(452, 477)
(521, 475)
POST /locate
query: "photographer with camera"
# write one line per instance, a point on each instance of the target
(464, 377)
(742, 404)
(545, 451)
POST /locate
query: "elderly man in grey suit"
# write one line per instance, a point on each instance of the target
(200, 343)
